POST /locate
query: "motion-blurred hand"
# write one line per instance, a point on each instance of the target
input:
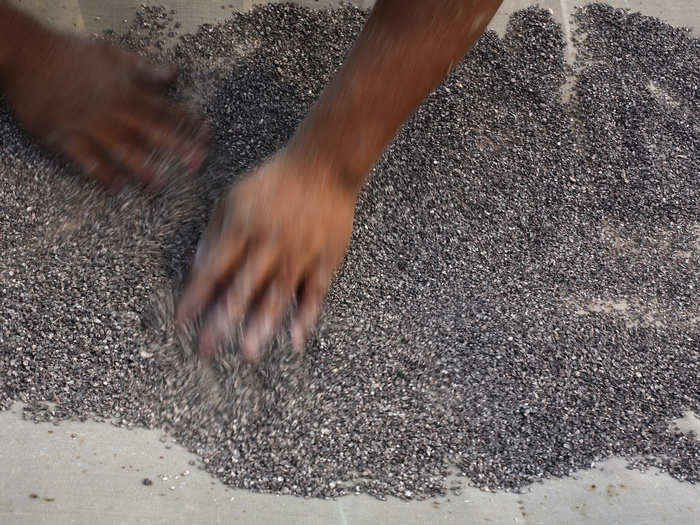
(102, 107)
(283, 230)
(279, 233)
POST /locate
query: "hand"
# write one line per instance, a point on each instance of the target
(104, 108)
(279, 233)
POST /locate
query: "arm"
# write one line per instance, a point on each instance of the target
(10, 21)
(283, 230)
(402, 54)
(103, 108)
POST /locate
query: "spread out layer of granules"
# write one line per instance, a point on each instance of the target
(520, 297)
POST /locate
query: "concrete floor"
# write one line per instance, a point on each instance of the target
(87, 473)
(94, 16)
(92, 473)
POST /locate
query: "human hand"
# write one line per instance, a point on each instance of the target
(102, 107)
(279, 234)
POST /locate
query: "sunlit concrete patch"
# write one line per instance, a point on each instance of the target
(664, 240)
(689, 424)
(661, 95)
(634, 311)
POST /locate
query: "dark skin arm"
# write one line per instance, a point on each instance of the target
(103, 108)
(283, 230)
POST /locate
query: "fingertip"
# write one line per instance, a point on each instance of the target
(189, 304)
(159, 76)
(171, 72)
(179, 326)
(183, 310)
(198, 151)
(154, 185)
(250, 350)
(198, 290)
(306, 318)
(258, 335)
(298, 337)
(179, 320)
(163, 76)
(116, 185)
(207, 345)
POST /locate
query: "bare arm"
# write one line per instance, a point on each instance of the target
(283, 230)
(103, 108)
(13, 26)
(402, 54)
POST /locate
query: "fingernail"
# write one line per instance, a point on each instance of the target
(297, 338)
(206, 345)
(205, 359)
(223, 327)
(262, 335)
(249, 351)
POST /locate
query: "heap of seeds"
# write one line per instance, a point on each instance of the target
(520, 298)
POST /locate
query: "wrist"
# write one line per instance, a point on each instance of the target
(320, 165)
(322, 155)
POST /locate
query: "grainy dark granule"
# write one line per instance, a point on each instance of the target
(520, 299)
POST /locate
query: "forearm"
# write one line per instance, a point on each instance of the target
(405, 50)
(16, 31)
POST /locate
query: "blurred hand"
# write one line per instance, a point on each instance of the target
(102, 107)
(280, 233)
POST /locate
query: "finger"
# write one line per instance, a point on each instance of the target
(128, 152)
(311, 296)
(94, 162)
(215, 261)
(169, 128)
(266, 318)
(231, 308)
(217, 328)
(151, 75)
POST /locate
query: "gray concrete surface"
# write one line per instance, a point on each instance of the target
(96, 15)
(92, 473)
